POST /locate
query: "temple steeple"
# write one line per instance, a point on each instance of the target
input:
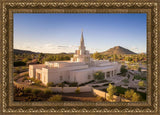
(81, 55)
(82, 40)
(82, 47)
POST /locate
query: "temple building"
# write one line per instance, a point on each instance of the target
(79, 69)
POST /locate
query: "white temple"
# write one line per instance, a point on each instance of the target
(79, 69)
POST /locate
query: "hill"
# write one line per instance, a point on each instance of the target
(117, 50)
(17, 51)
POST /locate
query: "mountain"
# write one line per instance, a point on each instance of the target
(118, 50)
(17, 51)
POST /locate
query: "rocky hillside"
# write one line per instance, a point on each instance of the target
(118, 50)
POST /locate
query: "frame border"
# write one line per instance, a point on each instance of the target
(150, 8)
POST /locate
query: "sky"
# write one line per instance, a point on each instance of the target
(58, 32)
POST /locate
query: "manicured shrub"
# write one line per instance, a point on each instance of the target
(77, 90)
(141, 83)
(55, 98)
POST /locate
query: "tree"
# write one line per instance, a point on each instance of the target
(139, 69)
(123, 69)
(25, 60)
(141, 83)
(135, 97)
(97, 56)
(115, 57)
(98, 75)
(111, 90)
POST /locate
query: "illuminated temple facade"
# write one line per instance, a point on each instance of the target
(79, 69)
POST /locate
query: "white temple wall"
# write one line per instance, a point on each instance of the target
(81, 76)
(32, 69)
(57, 76)
(44, 76)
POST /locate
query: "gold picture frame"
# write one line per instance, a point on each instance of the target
(8, 7)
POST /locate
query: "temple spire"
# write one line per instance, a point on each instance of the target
(82, 40)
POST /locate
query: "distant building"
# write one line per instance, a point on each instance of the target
(79, 69)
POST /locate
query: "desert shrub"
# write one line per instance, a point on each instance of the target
(26, 74)
(99, 98)
(25, 78)
(129, 93)
(20, 94)
(55, 98)
(77, 90)
(135, 97)
(27, 90)
(15, 74)
(25, 60)
(50, 84)
(36, 91)
(47, 92)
